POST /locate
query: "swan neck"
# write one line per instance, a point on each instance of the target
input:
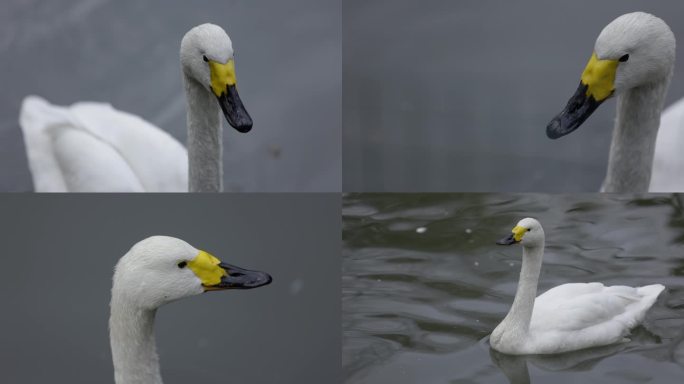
(205, 139)
(634, 136)
(520, 315)
(131, 336)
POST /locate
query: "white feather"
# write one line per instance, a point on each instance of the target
(92, 147)
(582, 315)
(668, 162)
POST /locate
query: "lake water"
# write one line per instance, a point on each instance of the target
(424, 284)
(454, 96)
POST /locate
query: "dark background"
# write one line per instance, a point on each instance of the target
(55, 282)
(455, 95)
(288, 64)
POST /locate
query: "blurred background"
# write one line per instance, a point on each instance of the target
(455, 96)
(424, 284)
(59, 257)
(288, 64)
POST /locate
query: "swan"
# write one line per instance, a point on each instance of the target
(568, 317)
(633, 59)
(154, 272)
(92, 147)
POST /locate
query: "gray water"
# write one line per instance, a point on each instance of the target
(418, 304)
(455, 95)
(57, 264)
(288, 64)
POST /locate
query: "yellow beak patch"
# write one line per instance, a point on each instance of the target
(518, 232)
(222, 75)
(599, 77)
(206, 268)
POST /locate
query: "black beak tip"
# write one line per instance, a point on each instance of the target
(239, 278)
(553, 129)
(508, 240)
(234, 111)
(578, 109)
(244, 127)
(257, 279)
(266, 279)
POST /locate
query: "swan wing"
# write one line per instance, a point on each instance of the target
(576, 316)
(92, 147)
(667, 174)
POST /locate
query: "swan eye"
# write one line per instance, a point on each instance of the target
(624, 58)
(182, 264)
(204, 57)
(529, 229)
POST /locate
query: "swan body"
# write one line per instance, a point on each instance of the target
(633, 59)
(92, 147)
(157, 271)
(668, 162)
(568, 317)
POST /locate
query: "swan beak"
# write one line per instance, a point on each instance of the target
(515, 237)
(596, 86)
(239, 278)
(216, 275)
(224, 87)
(508, 240)
(234, 111)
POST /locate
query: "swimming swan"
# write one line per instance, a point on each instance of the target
(154, 272)
(633, 59)
(92, 147)
(567, 317)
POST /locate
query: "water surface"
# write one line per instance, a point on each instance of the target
(424, 284)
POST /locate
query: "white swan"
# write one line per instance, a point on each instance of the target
(157, 271)
(633, 58)
(567, 317)
(92, 147)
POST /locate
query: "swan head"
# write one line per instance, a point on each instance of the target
(162, 269)
(527, 232)
(634, 50)
(207, 57)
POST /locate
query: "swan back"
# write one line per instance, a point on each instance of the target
(92, 147)
(584, 315)
(667, 173)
